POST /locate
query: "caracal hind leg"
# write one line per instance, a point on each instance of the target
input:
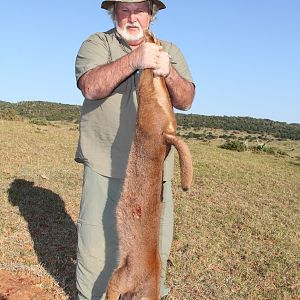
(119, 284)
(150, 290)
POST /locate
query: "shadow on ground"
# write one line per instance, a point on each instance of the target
(52, 230)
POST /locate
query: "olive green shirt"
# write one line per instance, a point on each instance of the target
(107, 125)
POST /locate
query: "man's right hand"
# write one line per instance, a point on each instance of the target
(145, 56)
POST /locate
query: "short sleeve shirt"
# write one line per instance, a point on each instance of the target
(107, 125)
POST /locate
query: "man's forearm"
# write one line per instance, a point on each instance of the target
(181, 91)
(99, 82)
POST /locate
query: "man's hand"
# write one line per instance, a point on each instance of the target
(163, 65)
(146, 56)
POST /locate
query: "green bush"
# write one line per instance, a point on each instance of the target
(268, 150)
(10, 114)
(234, 146)
(280, 152)
(39, 121)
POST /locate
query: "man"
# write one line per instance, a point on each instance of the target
(107, 73)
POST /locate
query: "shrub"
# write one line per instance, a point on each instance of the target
(268, 150)
(39, 121)
(234, 146)
(10, 114)
(280, 152)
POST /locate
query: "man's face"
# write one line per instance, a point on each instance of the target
(131, 19)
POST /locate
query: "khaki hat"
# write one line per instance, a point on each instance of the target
(107, 4)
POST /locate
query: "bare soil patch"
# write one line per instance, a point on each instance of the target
(14, 286)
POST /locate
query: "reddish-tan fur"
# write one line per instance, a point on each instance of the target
(139, 208)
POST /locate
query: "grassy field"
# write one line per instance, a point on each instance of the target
(237, 232)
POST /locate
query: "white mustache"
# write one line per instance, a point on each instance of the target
(135, 24)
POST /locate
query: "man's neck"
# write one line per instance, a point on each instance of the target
(135, 44)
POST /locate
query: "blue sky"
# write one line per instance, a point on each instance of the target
(244, 55)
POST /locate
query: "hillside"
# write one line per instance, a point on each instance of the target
(4, 104)
(51, 111)
(246, 124)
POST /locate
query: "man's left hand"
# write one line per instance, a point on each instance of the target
(162, 65)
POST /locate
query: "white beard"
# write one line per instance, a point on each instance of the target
(128, 36)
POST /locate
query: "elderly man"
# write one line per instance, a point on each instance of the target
(107, 73)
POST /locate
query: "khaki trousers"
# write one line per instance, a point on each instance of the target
(97, 253)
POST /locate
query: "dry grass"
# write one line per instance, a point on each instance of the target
(236, 233)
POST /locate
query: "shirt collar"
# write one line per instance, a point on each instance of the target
(124, 45)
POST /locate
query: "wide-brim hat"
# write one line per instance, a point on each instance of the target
(108, 4)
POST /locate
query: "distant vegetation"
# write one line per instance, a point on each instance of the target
(244, 146)
(49, 111)
(247, 124)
